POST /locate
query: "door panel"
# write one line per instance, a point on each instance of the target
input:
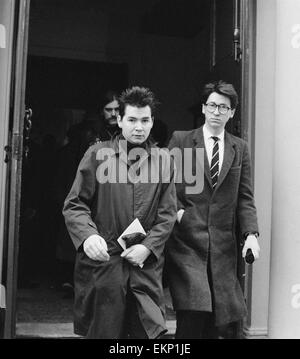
(18, 111)
(6, 40)
(232, 59)
(225, 61)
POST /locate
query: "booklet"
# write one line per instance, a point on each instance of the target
(134, 227)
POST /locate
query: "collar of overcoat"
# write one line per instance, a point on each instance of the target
(118, 148)
(229, 154)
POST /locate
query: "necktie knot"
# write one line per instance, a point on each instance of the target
(215, 138)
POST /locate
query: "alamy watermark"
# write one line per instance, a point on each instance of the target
(296, 297)
(133, 166)
(296, 36)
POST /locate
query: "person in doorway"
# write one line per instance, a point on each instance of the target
(94, 128)
(118, 291)
(105, 126)
(202, 251)
(30, 228)
(68, 158)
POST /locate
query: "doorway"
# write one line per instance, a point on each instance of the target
(76, 51)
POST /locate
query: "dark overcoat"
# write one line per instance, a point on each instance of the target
(97, 206)
(205, 239)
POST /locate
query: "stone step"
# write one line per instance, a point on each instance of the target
(64, 330)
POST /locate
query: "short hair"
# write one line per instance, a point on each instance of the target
(138, 97)
(222, 88)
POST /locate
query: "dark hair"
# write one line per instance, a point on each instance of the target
(138, 97)
(222, 88)
(108, 97)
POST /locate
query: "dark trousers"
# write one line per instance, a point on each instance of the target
(195, 325)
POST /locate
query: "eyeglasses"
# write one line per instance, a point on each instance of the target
(211, 107)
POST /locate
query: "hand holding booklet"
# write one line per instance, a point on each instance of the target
(133, 234)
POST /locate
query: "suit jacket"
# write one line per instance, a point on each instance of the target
(202, 251)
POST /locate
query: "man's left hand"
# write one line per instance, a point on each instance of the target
(136, 254)
(252, 243)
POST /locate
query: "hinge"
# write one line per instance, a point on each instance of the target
(237, 45)
(7, 150)
(16, 146)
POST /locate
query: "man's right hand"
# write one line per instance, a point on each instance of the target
(95, 248)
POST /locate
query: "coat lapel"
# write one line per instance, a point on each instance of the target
(199, 142)
(229, 154)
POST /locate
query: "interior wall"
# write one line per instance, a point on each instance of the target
(58, 29)
(173, 67)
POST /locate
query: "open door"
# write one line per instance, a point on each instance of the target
(232, 59)
(17, 113)
(225, 49)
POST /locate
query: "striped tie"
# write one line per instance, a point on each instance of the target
(214, 166)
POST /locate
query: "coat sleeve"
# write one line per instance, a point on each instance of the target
(165, 217)
(175, 143)
(77, 205)
(246, 210)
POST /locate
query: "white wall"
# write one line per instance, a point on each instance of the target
(275, 306)
(284, 310)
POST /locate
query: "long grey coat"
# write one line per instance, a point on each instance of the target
(107, 209)
(206, 234)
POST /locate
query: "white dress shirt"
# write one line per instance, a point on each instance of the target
(209, 144)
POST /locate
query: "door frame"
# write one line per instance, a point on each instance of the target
(14, 197)
(7, 12)
(248, 48)
(248, 96)
(244, 53)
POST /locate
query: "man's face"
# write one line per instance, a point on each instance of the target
(214, 119)
(136, 123)
(111, 112)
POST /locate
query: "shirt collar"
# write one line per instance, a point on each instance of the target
(207, 134)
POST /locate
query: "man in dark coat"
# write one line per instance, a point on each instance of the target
(202, 251)
(119, 293)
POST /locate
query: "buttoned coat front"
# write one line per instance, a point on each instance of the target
(202, 250)
(97, 206)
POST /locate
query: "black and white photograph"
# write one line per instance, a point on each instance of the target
(149, 172)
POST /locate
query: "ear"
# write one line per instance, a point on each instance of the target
(232, 113)
(203, 109)
(152, 123)
(119, 119)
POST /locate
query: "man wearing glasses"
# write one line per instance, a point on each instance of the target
(202, 252)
